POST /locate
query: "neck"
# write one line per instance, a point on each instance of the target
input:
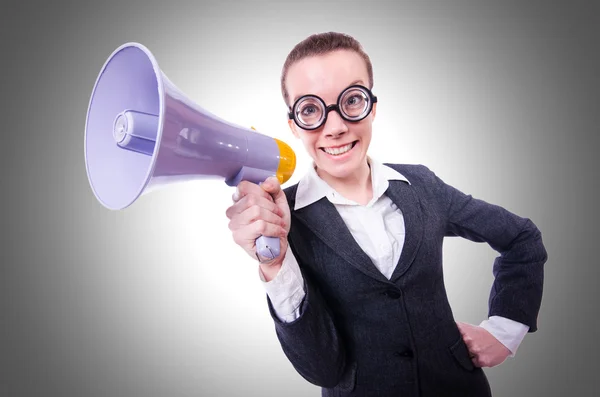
(356, 186)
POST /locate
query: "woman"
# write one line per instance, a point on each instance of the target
(357, 293)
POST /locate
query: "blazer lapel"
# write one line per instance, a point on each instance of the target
(326, 223)
(405, 198)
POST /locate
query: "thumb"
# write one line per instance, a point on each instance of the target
(272, 186)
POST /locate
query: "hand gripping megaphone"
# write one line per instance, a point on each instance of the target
(142, 132)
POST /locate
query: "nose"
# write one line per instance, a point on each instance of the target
(335, 125)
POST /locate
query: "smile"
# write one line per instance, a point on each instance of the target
(336, 151)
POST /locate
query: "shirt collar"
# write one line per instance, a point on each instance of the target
(311, 188)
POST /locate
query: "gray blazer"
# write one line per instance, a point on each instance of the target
(360, 334)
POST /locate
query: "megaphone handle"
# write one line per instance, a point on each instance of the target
(268, 247)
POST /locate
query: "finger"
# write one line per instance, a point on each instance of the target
(251, 200)
(264, 228)
(472, 352)
(245, 187)
(247, 235)
(467, 336)
(468, 339)
(252, 214)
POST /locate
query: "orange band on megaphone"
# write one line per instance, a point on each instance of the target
(287, 162)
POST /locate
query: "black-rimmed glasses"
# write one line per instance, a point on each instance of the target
(353, 104)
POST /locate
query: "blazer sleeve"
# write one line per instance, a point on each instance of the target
(519, 270)
(311, 342)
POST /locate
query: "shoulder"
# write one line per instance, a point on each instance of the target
(424, 182)
(418, 175)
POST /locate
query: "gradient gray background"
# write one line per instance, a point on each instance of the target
(501, 101)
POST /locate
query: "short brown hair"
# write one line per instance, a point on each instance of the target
(319, 44)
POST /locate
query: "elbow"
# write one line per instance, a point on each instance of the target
(529, 242)
(538, 244)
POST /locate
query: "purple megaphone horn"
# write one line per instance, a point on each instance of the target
(142, 132)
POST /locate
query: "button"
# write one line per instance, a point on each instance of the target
(392, 294)
(404, 353)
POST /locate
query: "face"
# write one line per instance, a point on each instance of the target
(338, 147)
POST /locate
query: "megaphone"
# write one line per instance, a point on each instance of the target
(142, 133)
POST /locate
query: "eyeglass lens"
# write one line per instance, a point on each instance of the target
(354, 105)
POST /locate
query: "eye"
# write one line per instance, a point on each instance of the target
(309, 110)
(355, 100)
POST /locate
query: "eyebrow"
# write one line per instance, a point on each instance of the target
(359, 81)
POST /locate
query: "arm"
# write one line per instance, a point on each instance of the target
(285, 289)
(310, 339)
(508, 332)
(519, 270)
(516, 294)
(304, 326)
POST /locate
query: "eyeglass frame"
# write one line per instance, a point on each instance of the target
(335, 106)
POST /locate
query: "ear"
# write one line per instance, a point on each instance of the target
(293, 126)
(374, 110)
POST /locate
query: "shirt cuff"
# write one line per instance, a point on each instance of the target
(286, 290)
(508, 332)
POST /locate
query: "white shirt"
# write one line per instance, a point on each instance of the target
(378, 228)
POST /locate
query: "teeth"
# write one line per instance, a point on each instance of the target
(339, 150)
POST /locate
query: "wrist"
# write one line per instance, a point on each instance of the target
(270, 269)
